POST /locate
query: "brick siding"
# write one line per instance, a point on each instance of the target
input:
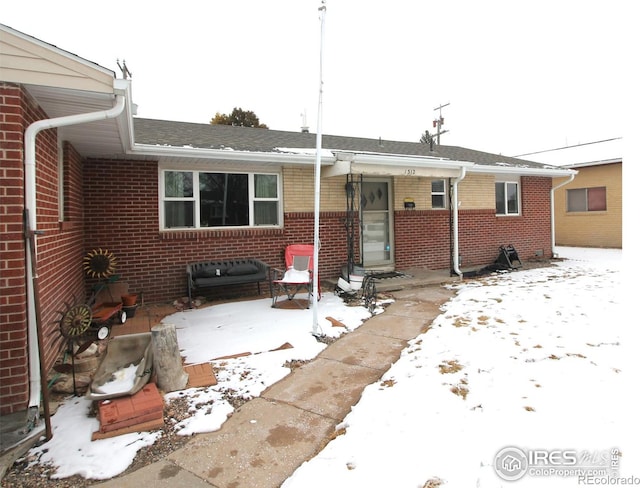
(113, 204)
(121, 214)
(60, 247)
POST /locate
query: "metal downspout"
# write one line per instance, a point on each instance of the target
(454, 198)
(31, 207)
(553, 213)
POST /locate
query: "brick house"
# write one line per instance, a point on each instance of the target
(91, 175)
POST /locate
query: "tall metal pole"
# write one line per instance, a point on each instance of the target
(316, 222)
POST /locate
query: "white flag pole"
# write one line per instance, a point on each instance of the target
(316, 222)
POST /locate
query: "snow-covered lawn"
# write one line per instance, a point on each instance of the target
(534, 360)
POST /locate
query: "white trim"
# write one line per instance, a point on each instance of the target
(61, 215)
(604, 162)
(552, 197)
(548, 172)
(196, 199)
(504, 182)
(444, 193)
(455, 205)
(215, 155)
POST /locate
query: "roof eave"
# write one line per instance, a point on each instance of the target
(522, 171)
(226, 154)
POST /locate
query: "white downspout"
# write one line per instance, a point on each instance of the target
(454, 198)
(553, 213)
(30, 204)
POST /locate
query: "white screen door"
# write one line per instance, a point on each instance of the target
(377, 245)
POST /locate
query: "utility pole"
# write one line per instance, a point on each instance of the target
(439, 122)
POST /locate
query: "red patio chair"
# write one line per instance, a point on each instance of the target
(298, 275)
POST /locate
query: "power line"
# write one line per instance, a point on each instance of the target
(566, 147)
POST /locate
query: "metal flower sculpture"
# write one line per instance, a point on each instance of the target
(99, 263)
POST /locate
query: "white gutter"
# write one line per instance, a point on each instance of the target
(454, 198)
(227, 154)
(30, 205)
(548, 171)
(553, 212)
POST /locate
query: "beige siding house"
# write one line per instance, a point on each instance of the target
(588, 210)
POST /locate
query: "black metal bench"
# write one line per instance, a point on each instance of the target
(211, 274)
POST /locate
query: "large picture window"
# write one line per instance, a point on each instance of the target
(200, 199)
(507, 198)
(587, 199)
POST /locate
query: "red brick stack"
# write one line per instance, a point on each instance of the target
(139, 412)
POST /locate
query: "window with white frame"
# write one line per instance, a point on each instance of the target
(438, 194)
(587, 199)
(201, 199)
(507, 198)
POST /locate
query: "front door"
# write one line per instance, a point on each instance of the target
(377, 222)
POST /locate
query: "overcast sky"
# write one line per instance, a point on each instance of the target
(519, 76)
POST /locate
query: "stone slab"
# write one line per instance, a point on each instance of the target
(364, 349)
(200, 375)
(164, 474)
(414, 308)
(324, 386)
(405, 328)
(260, 445)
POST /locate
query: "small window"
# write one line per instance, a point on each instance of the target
(587, 199)
(507, 198)
(179, 200)
(265, 201)
(438, 194)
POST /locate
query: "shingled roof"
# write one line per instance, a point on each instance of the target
(187, 134)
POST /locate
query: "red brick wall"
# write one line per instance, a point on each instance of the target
(422, 238)
(59, 247)
(121, 213)
(13, 333)
(482, 232)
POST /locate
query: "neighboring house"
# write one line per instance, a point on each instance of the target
(588, 211)
(161, 194)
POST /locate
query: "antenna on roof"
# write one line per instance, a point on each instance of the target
(439, 122)
(123, 67)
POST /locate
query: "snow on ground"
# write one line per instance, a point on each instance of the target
(203, 335)
(535, 360)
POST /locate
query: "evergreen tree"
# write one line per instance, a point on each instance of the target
(428, 138)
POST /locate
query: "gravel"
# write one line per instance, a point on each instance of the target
(24, 475)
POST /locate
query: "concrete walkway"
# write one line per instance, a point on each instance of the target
(265, 440)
